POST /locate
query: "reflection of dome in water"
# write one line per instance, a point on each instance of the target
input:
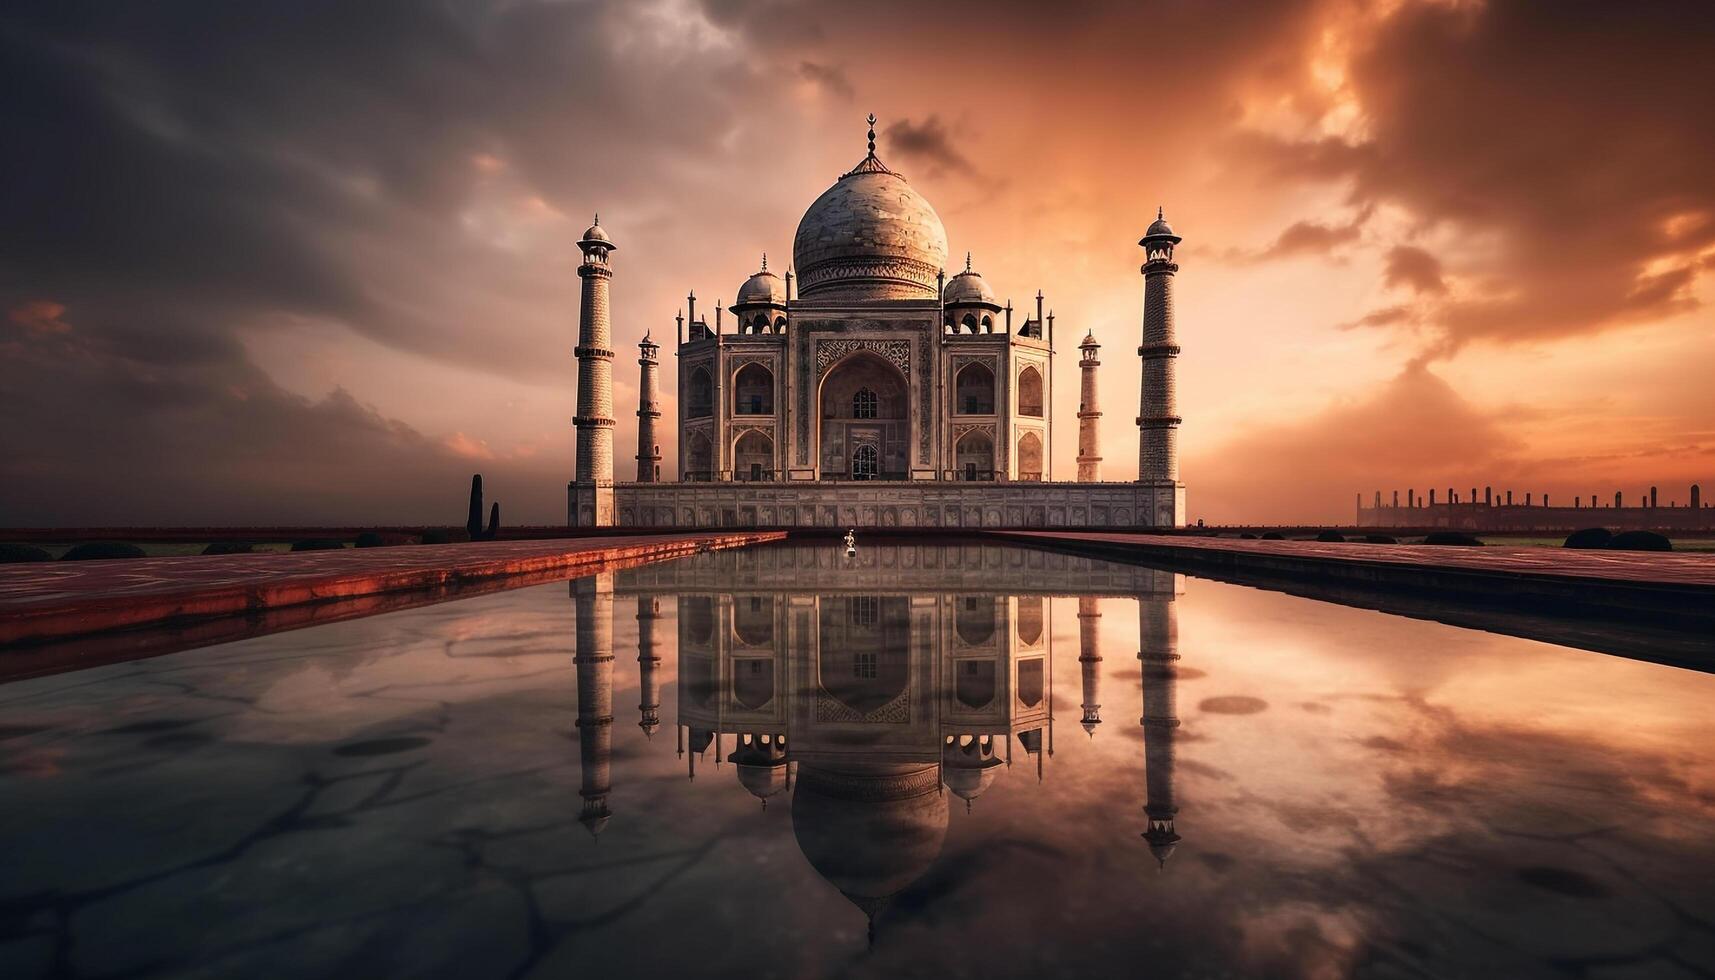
(968, 765)
(869, 829)
(761, 766)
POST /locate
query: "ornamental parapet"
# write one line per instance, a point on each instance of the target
(1156, 351)
(1159, 422)
(581, 351)
(591, 420)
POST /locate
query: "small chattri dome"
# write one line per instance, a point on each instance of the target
(969, 288)
(1089, 339)
(1159, 226)
(596, 233)
(763, 288)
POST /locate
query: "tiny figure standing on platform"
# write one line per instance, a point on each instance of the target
(851, 543)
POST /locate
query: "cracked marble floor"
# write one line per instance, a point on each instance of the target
(1357, 795)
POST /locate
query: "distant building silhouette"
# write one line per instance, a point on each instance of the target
(1498, 512)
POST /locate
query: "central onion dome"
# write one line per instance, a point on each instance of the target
(870, 236)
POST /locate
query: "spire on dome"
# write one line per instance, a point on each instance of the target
(764, 261)
(869, 164)
(967, 261)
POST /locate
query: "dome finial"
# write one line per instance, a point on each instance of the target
(1160, 213)
(872, 134)
(967, 261)
(764, 261)
(597, 220)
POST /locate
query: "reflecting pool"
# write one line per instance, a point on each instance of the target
(932, 759)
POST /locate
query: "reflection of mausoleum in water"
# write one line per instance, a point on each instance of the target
(864, 705)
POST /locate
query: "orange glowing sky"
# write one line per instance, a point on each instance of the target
(323, 270)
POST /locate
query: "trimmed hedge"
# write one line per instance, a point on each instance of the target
(318, 544)
(229, 548)
(1331, 537)
(1590, 537)
(1452, 537)
(102, 550)
(377, 539)
(1640, 541)
(1273, 536)
(1380, 539)
(445, 535)
(13, 553)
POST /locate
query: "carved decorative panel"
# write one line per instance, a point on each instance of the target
(830, 352)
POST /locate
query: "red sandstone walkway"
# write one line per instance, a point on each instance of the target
(1642, 567)
(45, 601)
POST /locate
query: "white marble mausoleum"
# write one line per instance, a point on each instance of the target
(867, 387)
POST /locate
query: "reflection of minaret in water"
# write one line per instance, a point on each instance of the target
(1158, 632)
(1090, 661)
(594, 662)
(649, 697)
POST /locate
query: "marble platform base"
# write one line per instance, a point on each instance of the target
(885, 504)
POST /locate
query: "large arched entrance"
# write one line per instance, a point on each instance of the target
(864, 421)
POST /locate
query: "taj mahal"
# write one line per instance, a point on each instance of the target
(867, 387)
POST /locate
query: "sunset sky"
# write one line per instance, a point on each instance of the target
(315, 262)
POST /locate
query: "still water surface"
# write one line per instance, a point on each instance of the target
(933, 760)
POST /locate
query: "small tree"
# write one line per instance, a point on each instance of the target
(473, 521)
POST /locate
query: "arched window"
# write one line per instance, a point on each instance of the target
(699, 458)
(753, 391)
(866, 465)
(1030, 393)
(1030, 457)
(988, 323)
(760, 324)
(969, 323)
(864, 404)
(1029, 622)
(973, 391)
(699, 395)
(973, 620)
(974, 456)
(779, 324)
(753, 457)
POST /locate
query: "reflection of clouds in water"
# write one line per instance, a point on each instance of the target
(1232, 705)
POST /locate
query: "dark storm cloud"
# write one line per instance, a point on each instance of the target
(929, 143)
(1575, 136)
(178, 173)
(1415, 269)
(831, 78)
(1306, 238)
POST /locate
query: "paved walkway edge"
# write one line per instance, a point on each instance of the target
(80, 614)
(1424, 571)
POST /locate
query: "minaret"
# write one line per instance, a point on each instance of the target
(649, 686)
(593, 659)
(648, 410)
(1158, 419)
(592, 487)
(1090, 660)
(1089, 412)
(1158, 638)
